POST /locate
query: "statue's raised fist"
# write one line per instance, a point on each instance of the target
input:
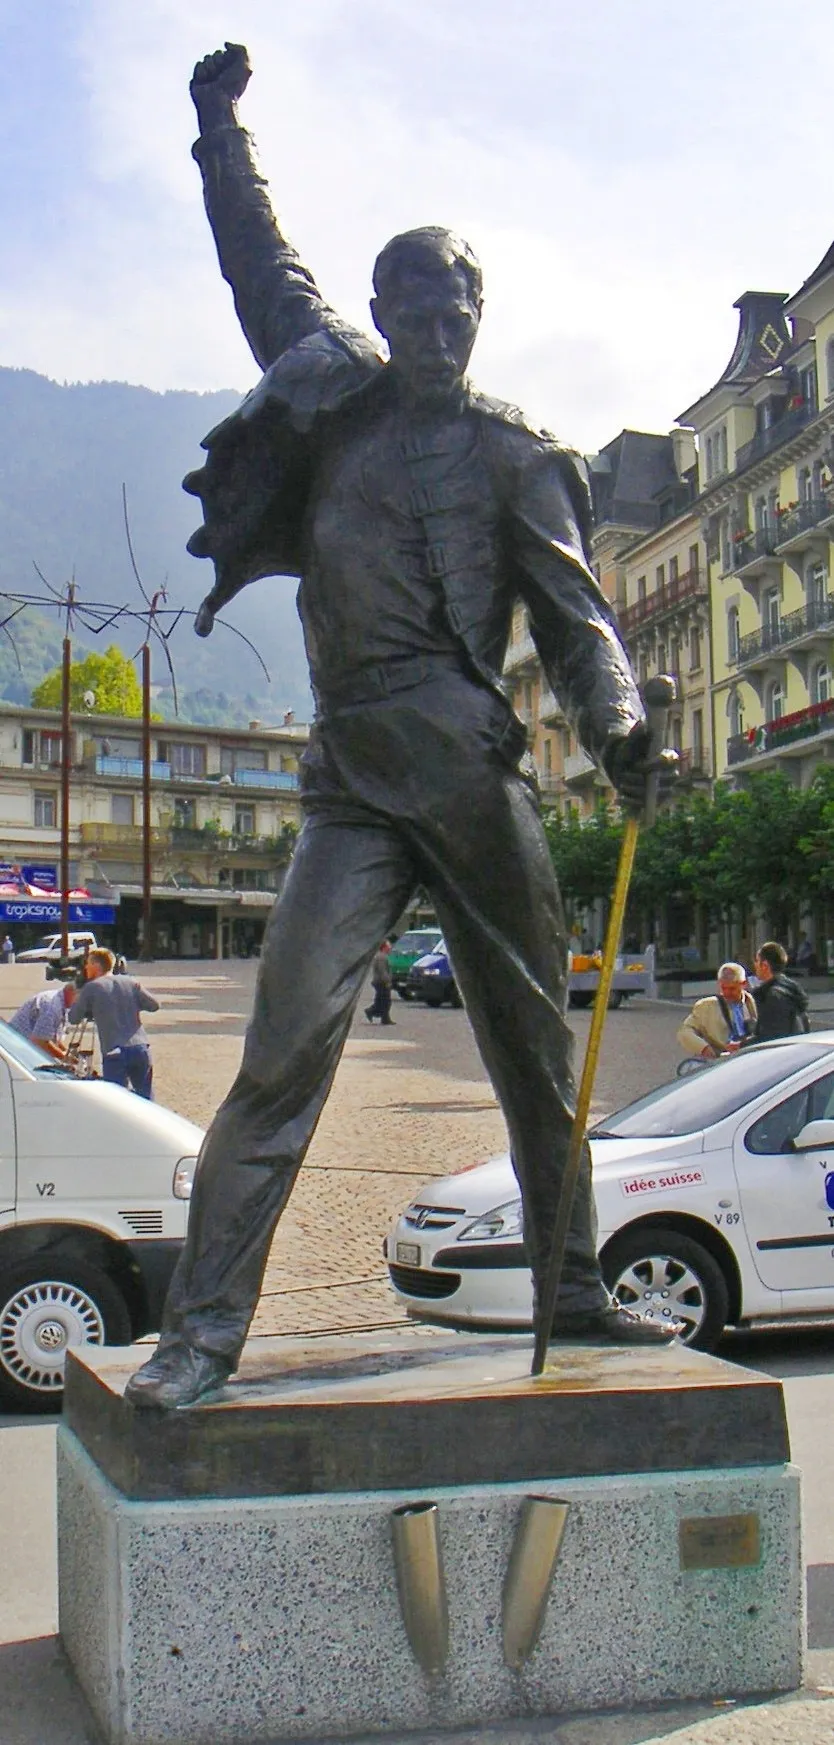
(226, 72)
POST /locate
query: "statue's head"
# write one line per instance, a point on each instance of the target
(427, 305)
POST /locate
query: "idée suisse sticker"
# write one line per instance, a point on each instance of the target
(660, 1184)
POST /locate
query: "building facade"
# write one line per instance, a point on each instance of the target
(766, 457)
(225, 809)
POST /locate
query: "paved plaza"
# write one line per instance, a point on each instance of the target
(407, 1104)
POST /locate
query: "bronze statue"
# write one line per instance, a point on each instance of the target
(415, 511)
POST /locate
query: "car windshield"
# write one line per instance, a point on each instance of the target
(27, 1053)
(422, 942)
(690, 1104)
(47, 942)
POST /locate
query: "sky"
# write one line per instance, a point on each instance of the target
(625, 169)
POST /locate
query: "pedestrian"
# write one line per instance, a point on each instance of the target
(721, 1022)
(806, 957)
(7, 950)
(381, 984)
(114, 1003)
(43, 1017)
(781, 1004)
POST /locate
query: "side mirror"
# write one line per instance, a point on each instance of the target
(815, 1136)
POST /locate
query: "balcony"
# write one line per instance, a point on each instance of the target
(788, 735)
(693, 766)
(223, 842)
(120, 835)
(521, 654)
(753, 554)
(551, 713)
(774, 435)
(130, 769)
(800, 529)
(809, 623)
(580, 771)
(668, 598)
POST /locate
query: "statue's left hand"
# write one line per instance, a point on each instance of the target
(630, 765)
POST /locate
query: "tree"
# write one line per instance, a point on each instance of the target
(110, 678)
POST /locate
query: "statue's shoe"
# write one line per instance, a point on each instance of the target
(616, 1325)
(177, 1376)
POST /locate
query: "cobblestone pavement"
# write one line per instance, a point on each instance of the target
(405, 1106)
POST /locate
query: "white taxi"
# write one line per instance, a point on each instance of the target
(715, 1199)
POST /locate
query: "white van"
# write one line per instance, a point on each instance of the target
(94, 1191)
(48, 948)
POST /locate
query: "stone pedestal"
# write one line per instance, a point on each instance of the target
(227, 1574)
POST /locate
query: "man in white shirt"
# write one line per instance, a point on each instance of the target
(42, 1018)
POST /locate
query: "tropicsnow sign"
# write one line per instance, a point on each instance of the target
(40, 912)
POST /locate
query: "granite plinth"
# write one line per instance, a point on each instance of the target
(379, 1412)
(263, 1615)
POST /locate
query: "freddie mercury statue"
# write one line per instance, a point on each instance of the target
(415, 512)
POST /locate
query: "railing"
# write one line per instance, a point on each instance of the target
(130, 769)
(121, 835)
(752, 545)
(806, 515)
(220, 841)
(773, 435)
(775, 735)
(690, 586)
(818, 615)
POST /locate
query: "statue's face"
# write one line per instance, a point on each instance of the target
(431, 326)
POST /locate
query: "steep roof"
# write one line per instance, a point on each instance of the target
(762, 342)
(627, 475)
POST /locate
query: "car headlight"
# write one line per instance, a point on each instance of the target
(184, 1178)
(430, 972)
(501, 1221)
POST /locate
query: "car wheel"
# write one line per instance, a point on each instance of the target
(404, 993)
(455, 1000)
(578, 999)
(663, 1275)
(615, 999)
(435, 1001)
(43, 1311)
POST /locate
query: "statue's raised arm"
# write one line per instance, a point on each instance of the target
(276, 298)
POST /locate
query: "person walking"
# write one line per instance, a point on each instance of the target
(114, 1003)
(43, 1017)
(781, 1004)
(7, 950)
(381, 984)
(721, 1022)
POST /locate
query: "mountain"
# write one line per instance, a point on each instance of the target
(65, 451)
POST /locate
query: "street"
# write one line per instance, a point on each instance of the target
(407, 1104)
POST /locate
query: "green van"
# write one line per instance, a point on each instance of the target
(418, 942)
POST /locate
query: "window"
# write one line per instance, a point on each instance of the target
(121, 808)
(234, 757)
(770, 613)
(803, 480)
(244, 820)
(736, 714)
(722, 448)
(50, 748)
(774, 701)
(27, 754)
(185, 759)
(808, 387)
(694, 561)
(698, 738)
(673, 569)
(775, 1132)
(694, 648)
(829, 367)
(642, 669)
(660, 575)
(548, 757)
(821, 682)
(46, 811)
(732, 634)
(675, 655)
(185, 814)
(816, 584)
(676, 728)
(661, 657)
(641, 588)
(760, 513)
(772, 506)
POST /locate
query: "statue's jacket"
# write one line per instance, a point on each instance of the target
(494, 509)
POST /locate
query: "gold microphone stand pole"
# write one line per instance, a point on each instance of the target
(659, 695)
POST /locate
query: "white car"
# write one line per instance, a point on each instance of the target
(94, 1191)
(48, 948)
(715, 1198)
